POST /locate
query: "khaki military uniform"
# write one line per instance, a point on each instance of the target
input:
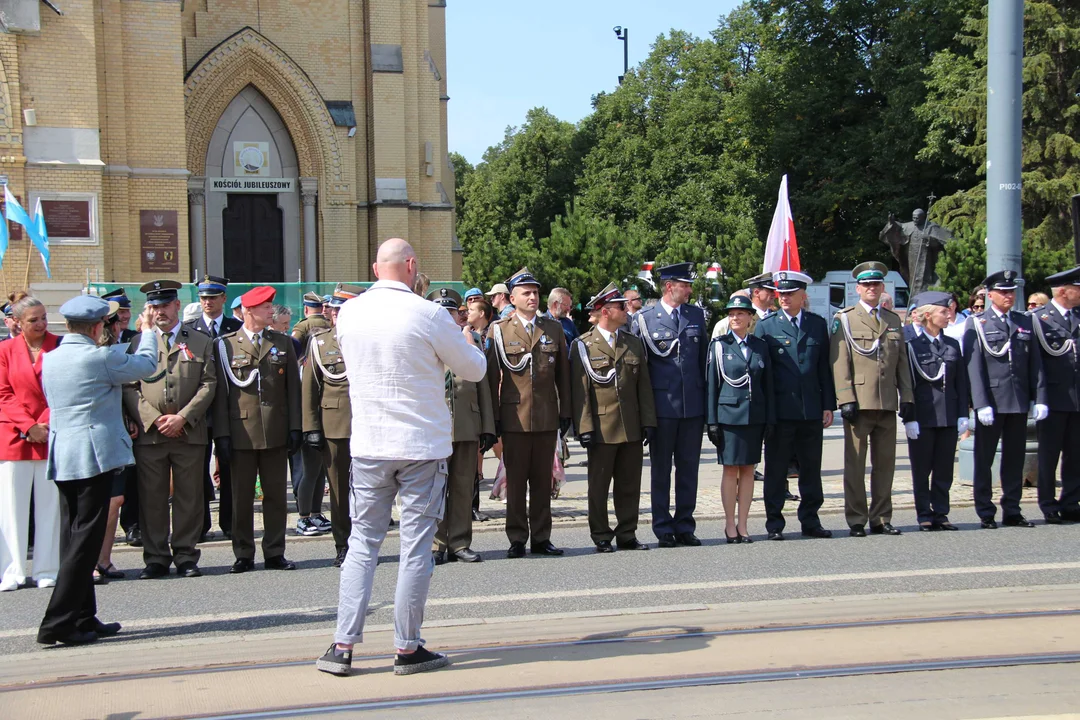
(258, 414)
(616, 413)
(327, 409)
(878, 381)
(306, 327)
(184, 384)
(528, 404)
(472, 415)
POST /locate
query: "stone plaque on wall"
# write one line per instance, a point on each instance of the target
(159, 241)
(67, 219)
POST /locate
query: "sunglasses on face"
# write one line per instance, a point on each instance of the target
(1033, 305)
(978, 306)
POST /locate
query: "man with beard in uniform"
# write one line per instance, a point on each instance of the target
(171, 407)
(1057, 326)
(674, 335)
(529, 374)
(473, 433)
(328, 416)
(257, 425)
(804, 399)
(214, 322)
(1006, 378)
(613, 405)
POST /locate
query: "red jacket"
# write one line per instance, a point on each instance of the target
(22, 401)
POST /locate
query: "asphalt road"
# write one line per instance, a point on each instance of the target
(263, 601)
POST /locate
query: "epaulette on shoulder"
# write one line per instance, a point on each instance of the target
(320, 331)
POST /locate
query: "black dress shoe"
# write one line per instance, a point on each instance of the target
(105, 629)
(188, 570)
(632, 545)
(818, 532)
(688, 539)
(464, 555)
(1053, 518)
(926, 527)
(604, 546)
(279, 563)
(340, 559)
(153, 571)
(439, 556)
(134, 536)
(776, 535)
(226, 533)
(478, 516)
(517, 550)
(884, 529)
(545, 548)
(758, 477)
(1070, 515)
(790, 496)
(944, 525)
(75, 637)
(857, 531)
(1017, 521)
(242, 566)
(666, 540)
(989, 524)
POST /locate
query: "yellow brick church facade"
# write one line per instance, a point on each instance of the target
(263, 140)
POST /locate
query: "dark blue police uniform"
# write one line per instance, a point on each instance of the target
(941, 402)
(804, 390)
(1005, 371)
(1058, 331)
(676, 350)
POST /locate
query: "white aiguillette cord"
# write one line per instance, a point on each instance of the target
(583, 353)
(313, 352)
(1005, 349)
(644, 330)
(223, 358)
(496, 334)
(744, 381)
(845, 322)
(917, 368)
(1069, 345)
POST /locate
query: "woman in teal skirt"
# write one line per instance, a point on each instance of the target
(740, 408)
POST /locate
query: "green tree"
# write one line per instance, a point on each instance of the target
(462, 170)
(955, 112)
(584, 253)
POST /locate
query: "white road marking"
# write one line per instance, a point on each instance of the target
(594, 592)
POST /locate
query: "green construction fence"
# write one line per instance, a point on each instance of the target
(289, 294)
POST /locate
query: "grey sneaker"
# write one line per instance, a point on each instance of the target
(335, 662)
(321, 522)
(419, 661)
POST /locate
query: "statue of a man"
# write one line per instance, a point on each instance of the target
(916, 246)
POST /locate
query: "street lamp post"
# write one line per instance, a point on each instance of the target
(624, 34)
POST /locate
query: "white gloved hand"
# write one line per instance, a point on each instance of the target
(985, 415)
(912, 430)
(961, 426)
(1040, 412)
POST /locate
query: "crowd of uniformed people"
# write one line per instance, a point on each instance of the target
(214, 405)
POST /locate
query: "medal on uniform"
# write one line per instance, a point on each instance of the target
(273, 351)
(184, 349)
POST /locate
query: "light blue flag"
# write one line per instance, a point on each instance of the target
(14, 211)
(40, 237)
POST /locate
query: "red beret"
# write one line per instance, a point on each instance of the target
(257, 296)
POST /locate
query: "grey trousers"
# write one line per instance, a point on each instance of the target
(420, 486)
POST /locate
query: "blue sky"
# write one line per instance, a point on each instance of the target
(506, 56)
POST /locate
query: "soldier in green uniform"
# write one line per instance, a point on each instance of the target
(313, 318)
(873, 383)
(257, 425)
(170, 407)
(612, 404)
(473, 433)
(328, 417)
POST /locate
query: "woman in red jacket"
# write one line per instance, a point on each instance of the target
(24, 435)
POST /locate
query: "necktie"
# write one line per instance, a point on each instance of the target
(213, 328)
(168, 342)
(675, 316)
(795, 322)
(255, 342)
(528, 329)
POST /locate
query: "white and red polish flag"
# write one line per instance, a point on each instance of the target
(781, 249)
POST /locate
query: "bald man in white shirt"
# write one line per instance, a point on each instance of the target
(397, 347)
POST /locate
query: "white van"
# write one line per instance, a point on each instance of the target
(837, 290)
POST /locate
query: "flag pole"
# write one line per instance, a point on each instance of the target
(29, 254)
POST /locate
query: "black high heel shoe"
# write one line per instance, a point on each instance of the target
(746, 539)
(731, 539)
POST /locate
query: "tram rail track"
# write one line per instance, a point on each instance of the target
(617, 639)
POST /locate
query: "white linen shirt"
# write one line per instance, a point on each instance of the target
(397, 347)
